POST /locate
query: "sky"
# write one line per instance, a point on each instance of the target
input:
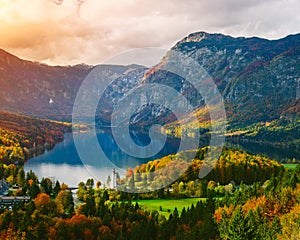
(68, 32)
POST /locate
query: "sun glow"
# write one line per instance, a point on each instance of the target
(76, 31)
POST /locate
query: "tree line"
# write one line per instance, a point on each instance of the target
(21, 137)
(263, 208)
(232, 166)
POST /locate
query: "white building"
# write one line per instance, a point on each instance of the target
(114, 179)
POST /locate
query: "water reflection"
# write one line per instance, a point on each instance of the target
(64, 164)
(274, 152)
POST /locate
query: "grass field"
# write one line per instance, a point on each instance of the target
(167, 205)
(290, 165)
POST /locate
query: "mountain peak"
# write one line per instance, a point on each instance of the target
(199, 36)
(196, 37)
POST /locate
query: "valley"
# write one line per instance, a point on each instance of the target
(250, 192)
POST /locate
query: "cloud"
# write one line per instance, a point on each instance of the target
(75, 31)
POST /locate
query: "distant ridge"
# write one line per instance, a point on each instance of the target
(27, 87)
(259, 80)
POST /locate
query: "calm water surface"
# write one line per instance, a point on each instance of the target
(63, 163)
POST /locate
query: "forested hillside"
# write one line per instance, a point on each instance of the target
(21, 137)
(233, 166)
(264, 209)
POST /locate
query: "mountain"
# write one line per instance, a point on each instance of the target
(40, 90)
(258, 79)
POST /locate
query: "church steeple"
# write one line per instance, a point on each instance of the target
(114, 179)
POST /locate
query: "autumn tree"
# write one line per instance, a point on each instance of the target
(45, 205)
(65, 203)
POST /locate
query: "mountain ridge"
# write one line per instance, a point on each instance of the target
(40, 90)
(244, 68)
(258, 78)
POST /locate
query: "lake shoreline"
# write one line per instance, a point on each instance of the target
(42, 149)
(30, 153)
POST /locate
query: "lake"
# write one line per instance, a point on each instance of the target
(274, 152)
(64, 164)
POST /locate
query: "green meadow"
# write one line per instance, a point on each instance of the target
(290, 165)
(167, 206)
